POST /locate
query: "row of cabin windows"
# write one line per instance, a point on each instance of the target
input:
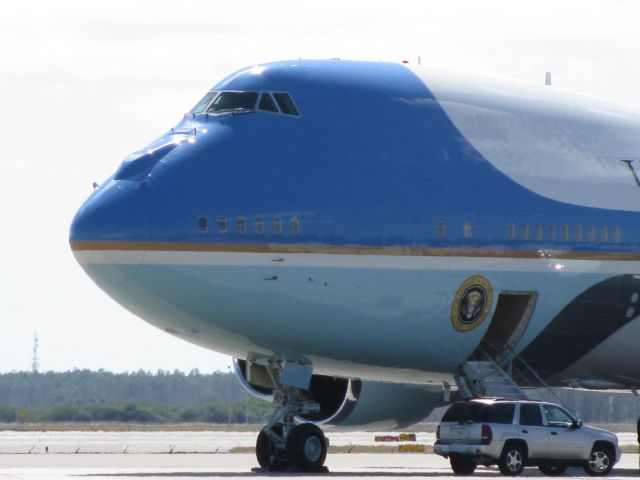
(577, 233)
(535, 232)
(242, 225)
(591, 233)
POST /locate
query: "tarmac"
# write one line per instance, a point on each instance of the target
(229, 466)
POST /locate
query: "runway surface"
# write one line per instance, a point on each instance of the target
(182, 441)
(230, 466)
(189, 455)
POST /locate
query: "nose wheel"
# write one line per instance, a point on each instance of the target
(306, 447)
(284, 446)
(270, 457)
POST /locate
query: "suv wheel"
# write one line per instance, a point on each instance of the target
(512, 460)
(600, 461)
(462, 465)
(553, 470)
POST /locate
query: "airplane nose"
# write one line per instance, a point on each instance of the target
(108, 233)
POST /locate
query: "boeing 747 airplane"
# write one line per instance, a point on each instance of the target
(363, 237)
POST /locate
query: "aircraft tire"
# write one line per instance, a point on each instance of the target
(306, 447)
(268, 459)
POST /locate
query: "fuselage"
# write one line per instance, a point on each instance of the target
(340, 226)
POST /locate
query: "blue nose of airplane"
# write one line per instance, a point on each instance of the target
(109, 232)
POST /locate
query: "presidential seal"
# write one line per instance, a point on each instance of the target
(471, 303)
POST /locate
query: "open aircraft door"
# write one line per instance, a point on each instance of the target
(510, 320)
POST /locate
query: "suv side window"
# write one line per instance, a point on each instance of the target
(530, 414)
(557, 417)
(500, 413)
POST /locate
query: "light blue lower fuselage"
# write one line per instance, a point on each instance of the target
(363, 320)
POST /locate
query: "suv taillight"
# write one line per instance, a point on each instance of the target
(438, 433)
(486, 435)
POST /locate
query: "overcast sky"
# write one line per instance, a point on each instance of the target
(84, 83)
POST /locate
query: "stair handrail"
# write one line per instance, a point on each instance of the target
(487, 358)
(528, 369)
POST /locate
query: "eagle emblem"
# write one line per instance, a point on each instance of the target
(471, 303)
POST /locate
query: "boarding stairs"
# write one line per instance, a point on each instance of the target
(485, 378)
(506, 376)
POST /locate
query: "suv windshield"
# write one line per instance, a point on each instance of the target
(466, 412)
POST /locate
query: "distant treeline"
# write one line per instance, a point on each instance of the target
(251, 410)
(85, 387)
(141, 397)
(83, 395)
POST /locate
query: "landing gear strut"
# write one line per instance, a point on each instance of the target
(283, 445)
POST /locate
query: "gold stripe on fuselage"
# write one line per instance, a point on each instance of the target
(352, 250)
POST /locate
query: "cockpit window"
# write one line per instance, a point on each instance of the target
(225, 102)
(233, 101)
(267, 104)
(202, 104)
(285, 102)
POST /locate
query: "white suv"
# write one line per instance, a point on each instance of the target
(517, 433)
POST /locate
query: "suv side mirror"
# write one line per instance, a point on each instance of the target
(577, 424)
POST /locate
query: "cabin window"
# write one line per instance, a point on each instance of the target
(468, 229)
(539, 232)
(276, 225)
(604, 234)
(258, 225)
(223, 224)
(565, 232)
(201, 106)
(617, 234)
(233, 101)
(203, 224)
(552, 232)
(511, 231)
(285, 102)
(578, 233)
(441, 229)
(592, 233)
(294, 226)
(241, 225)
(525, 231)
(267, 104)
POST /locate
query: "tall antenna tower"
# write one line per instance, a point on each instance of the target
(34, 359)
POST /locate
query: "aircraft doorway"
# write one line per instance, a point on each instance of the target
(509, 322)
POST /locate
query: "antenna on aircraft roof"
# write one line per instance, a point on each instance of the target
(547, 78)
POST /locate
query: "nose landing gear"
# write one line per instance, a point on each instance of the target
(284, 446)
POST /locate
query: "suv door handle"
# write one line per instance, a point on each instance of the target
(525, 431)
